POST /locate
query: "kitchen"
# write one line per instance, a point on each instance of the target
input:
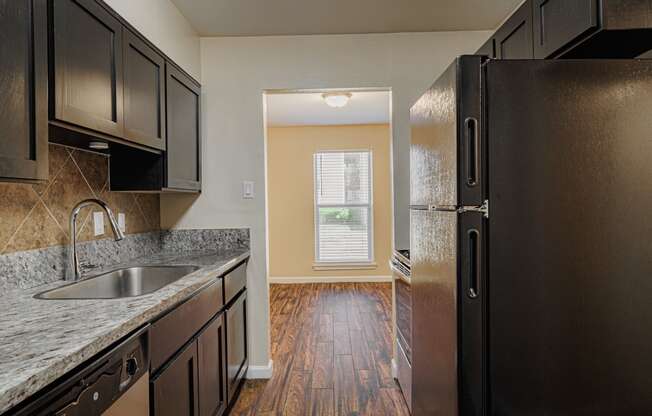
(207, 100)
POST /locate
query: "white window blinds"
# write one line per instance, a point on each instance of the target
(343, 209)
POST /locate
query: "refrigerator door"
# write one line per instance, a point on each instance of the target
(433, 258)
(570, 263)
(446, 148)
(447, 260)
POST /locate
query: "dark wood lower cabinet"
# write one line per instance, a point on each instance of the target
(236, 339)
(199, 351)
(212, 374)
(175, 391)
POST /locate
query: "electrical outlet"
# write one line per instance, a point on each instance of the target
(247, 190)
(122, 222)
(98, 223)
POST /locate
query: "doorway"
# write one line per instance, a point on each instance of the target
(329, 241)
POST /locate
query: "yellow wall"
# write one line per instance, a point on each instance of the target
(291, 188)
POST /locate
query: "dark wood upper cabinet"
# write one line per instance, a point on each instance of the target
(581, 29)
(178, 169)
(514, 38)
(488, 48)
(575, 29)
(559, 22)
(236, 348)
(144, 93)
(175, 390)
(87, 66)
(183, 156)
(212, 372)
(23, 90)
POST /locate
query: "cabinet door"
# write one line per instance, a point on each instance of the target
(212, 374)
(87, 66)
(23, 90)
(514, 37)
(488, 48)
(558, 22)
(183, 161)
(175, 389)
(144, 93)
(236, 343)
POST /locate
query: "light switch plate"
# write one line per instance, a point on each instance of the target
(122, 222)
(98, 223)
(248, 190)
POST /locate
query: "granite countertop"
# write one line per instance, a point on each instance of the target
(41, 340)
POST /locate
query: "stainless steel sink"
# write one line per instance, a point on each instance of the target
(121, 283)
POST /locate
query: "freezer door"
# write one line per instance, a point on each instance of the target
(570, 304)
(447, 320)
(446, 148)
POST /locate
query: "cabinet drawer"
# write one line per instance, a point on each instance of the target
(173, 330)
(557, 23)
(234, 282)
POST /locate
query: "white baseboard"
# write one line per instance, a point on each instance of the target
(394, 368)
(329, 279)
(260, 371)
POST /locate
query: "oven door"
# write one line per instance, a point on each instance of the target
(403, 296)
(403, 299)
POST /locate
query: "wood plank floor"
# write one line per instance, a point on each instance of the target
(332, 350)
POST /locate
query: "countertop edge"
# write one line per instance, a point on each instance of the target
(15, 395)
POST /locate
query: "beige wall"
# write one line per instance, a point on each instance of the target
(235, 73)
(290, 198)
(164, 25)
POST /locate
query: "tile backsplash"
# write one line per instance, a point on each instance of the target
(36, 216)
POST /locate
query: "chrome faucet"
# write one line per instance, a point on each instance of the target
(74, 269)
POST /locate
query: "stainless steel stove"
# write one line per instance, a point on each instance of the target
(400, 265)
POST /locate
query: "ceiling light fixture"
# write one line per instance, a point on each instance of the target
(336, 99)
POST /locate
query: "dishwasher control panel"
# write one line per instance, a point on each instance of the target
(95, 386)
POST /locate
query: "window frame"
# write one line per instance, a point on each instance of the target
(343, 263)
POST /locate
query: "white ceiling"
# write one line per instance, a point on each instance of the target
(309, 17)
(309, 109)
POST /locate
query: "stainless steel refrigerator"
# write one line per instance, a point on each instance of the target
(531, 239)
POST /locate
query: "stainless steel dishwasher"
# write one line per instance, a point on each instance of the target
(116, 382)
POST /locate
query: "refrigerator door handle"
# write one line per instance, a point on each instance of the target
(475, 260)
(472, 151)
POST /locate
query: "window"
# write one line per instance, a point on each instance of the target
(343, 208)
